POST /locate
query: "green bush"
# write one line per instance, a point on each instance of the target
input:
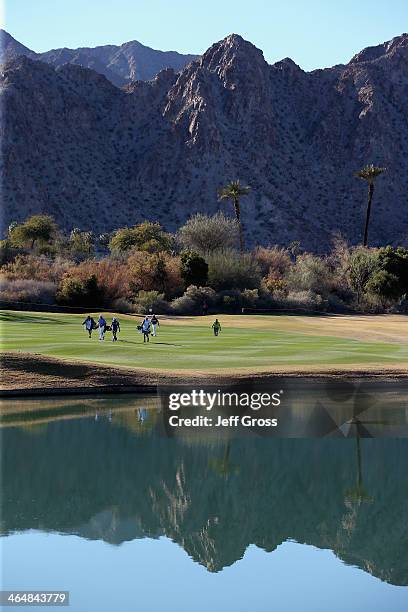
(146, 236)
(384, 284)
(310, 273)
(193, 299)
(194, 269)
(227, 269)
(81, 245)
(395, 262)
(76, 292)
(146, 300)
(362, 264)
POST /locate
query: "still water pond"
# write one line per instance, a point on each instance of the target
(98, 500)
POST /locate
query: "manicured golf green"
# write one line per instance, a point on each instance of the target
(187, 343)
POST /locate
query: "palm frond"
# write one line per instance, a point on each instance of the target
(370, 172)
(233, 190)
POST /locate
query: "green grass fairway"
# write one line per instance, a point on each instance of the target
(252, 343)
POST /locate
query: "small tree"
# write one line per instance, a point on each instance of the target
(146, 236)
(369, 173)
(39, 228)
(234, 191)
(203, 234)
(194, 269)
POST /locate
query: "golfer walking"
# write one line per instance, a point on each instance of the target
(146, 329)
(101, 327)
(155, 324)
(115, 327)
(216, 327)
(89, 325)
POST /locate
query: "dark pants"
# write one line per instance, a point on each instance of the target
(114, 335)
(216, 330)
(90, 333)
(145, 336)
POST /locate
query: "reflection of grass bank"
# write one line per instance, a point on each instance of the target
(376, 408)
(249, 344)
(32, 413)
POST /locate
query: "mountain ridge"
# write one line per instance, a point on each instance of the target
(101, 157)
(120, 64)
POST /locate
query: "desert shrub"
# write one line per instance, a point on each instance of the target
(305, 300)
(81, 245)
(336, 303)
(234, 299)
(250, 297)
(184, 304)
(103, 240)
(7, 252)
(274, 262)
(384, 285)
(28, 290)
(231, 300)
(74, 291)
(154, 272)
(227, 269)
(174, 282)
(402, 305)
(310, 273)
(36, 267)
(111, 275)
(194, 269)
(146, 236)
(191, 302)
(371, 303)
(362, 264)
(203, 233)
(146, 300)
(395, 262)
(123, 305)
(273, 285)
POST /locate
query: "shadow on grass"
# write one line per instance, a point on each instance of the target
(151, 342)
(19, 317)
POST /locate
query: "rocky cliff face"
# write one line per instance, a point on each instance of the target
(121, 64)
(99, 157)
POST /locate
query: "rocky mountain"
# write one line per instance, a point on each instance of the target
(100, 157)
(120, 64)
(11, 48)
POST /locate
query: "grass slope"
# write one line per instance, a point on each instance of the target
(257, 343)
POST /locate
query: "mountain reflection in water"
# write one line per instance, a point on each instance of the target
(114, 476)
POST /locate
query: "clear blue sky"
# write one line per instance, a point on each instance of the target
(314, 33)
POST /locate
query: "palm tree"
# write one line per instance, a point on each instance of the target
(233, 191)
(369, 173)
